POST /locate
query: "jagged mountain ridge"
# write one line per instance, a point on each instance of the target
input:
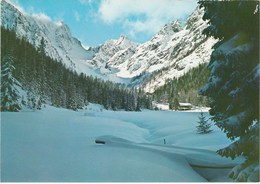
(174, 49)
(112, 53)
(149, 56)
(62, 46)
(59, 43)
(111, 47)
(171, 53)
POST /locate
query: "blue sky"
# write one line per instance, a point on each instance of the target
(95, 21)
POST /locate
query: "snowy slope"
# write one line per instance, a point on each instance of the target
(174, 49)
(111, 47)
(113, 52)
(148, 56)
(192, 49)
(58, 145)
(58, 40)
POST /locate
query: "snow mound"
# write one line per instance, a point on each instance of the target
(59, 145)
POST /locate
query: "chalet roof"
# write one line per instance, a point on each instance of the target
(185, 104)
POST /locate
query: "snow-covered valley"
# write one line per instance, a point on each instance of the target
(77, 113)
(58, 145)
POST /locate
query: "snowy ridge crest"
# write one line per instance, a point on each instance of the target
(59, 43)
(174, 49)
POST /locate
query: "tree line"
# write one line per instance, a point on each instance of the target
(184, 88)
(48, 81)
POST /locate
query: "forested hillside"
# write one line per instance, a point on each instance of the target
(185, 88)
(49, 81)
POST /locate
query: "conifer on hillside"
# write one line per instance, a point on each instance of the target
(9, 92)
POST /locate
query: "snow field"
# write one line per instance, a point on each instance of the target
(58, 145)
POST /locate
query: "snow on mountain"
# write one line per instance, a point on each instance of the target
(148, 56)
(174, 49)
(111, 47)
(59, 43)
(62, 46)
(112, 53)
(188, 48)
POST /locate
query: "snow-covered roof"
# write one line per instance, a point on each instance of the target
(185, 104)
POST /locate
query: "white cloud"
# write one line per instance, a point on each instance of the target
(76, 16)
(147, 26)
(59, 23)
(113, 10)
(42, 17)
(39, 16)
(154, 13)
(85, 1)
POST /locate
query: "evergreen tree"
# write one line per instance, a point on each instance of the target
(204, 126)
(49, 81)
(39, 103)
(185, 88)
(138, 104)
(176, 104)
(9, 92)
(31, 101)
(233, 86)
(41, 48)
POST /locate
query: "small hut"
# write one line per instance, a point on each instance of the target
(185, 106)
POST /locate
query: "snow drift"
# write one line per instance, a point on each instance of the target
(58, 145)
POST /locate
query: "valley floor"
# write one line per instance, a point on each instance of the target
(58, 145)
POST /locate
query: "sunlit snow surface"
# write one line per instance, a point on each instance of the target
(59, 145)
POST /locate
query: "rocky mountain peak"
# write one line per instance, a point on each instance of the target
(171, 27)
(122, 37)
(114, 51)
(59, 42)
(195, 17)
(174, 49)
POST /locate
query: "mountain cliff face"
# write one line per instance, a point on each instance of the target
(112, 47)
(59, 43)
(62, 46)
(151, 55)
(173, 51)
(112, 53)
